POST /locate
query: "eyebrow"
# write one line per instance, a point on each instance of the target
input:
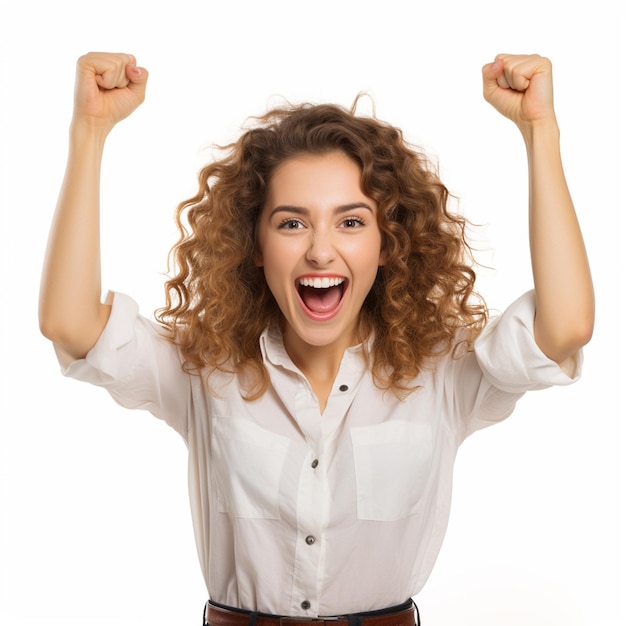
(298, 210)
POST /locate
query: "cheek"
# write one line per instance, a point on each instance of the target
(279, 252)
(274, 263)
(261, 249)
(368, 255)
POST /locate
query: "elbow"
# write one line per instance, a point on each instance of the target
(582, 327)
(47, 327)
(59, 336)
(575, 341)
(54, 333)
(586, 332)
(75, 335)
(71, 346)
(563, 342)
(53, 326)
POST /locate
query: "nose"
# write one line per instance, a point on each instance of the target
(321, 250)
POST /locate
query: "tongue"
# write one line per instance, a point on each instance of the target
(321, 300)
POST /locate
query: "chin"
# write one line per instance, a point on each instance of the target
(321, 337)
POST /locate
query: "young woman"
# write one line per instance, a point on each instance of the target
(322, 350)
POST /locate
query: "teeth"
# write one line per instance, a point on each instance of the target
(321, 283)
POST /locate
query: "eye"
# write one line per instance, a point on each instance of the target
(352, 222)
(290, 224)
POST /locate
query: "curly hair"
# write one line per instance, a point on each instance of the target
(422, 303)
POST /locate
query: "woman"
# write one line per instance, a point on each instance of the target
(321, 351)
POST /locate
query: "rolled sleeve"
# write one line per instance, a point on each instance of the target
(137, 364)
(509, 356)
(103, 366)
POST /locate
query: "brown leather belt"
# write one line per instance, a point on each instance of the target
(223, 616)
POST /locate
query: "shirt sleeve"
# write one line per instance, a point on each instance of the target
(505, 363)
(136, 363)
(509, 356)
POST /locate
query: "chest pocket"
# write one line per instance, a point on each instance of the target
(392, 463)
(248, 462)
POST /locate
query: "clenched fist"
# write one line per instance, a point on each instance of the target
(520, 87)
(109, 87)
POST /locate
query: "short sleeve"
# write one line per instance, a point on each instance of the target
(136, 363)
(506, 362)
(509, 356)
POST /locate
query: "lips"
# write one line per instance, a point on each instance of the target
(321, 296)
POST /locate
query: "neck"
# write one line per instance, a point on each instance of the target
(319, 364)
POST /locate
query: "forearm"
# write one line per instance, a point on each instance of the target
(108, 88)
(564, 290)
(70, 311)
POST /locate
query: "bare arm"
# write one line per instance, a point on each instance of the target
(520, 87)
(108, 88)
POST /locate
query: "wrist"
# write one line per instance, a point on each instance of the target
(88, 131)
(540, 131)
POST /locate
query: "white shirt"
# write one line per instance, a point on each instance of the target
(300, 514)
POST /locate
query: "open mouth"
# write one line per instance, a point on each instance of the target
(321, 296)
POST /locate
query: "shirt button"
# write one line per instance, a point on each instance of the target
(315, 464)
(343, 388)
(310, 540)
(305, 604)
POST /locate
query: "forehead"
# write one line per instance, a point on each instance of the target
(332, 174)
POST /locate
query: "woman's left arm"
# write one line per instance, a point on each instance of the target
(520, 87)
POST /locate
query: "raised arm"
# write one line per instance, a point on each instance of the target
(520, 87)
(109, 87)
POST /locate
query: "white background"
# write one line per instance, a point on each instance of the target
(94, 525)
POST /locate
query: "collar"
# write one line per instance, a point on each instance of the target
(273, 349)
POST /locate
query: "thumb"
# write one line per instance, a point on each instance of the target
(138, 80)
(491, 73)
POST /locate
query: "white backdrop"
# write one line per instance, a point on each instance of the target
(94, 520)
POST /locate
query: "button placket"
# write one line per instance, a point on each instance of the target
(313, 489)
(341, 397)
(311, 515)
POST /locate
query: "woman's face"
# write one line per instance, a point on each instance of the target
(320, 247)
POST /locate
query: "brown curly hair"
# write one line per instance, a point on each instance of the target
(218, 303)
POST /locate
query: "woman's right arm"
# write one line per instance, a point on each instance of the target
(109, 87)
